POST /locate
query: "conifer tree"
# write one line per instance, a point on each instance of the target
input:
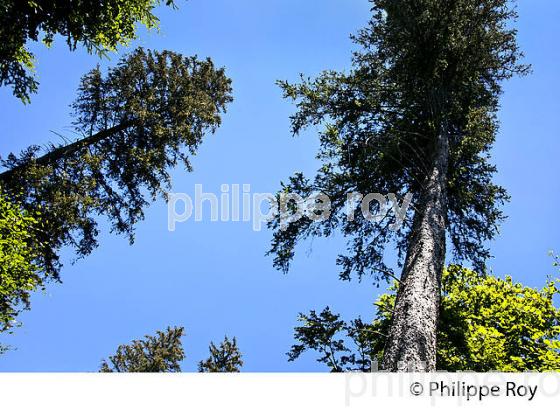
(223, 359)
(162, 353)
(416, 114)
(134, 124)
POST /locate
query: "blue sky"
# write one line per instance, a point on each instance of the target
(212, 277)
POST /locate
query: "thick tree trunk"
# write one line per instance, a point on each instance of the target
(411, 343)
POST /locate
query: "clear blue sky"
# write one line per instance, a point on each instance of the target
(213, 278)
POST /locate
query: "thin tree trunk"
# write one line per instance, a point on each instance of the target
(66, 150)
(411, 343)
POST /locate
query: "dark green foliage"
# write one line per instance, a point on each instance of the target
(142, 118)
(424, 67)
(223, 359)
(327, 334)
(486, 324)
(162, 353)
(100, 26)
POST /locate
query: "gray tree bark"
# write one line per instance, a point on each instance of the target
(411, 342)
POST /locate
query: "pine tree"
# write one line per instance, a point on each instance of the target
(136, 122)
(162, 353)
(327, 334)
(416, 114)
(223, 359)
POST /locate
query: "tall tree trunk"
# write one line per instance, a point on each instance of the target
(411, 343)
(66, 150)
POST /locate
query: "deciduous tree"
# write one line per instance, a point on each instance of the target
(20, 273)
(100, 26)
(486, 324)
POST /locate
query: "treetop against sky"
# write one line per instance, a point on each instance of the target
(212, 278)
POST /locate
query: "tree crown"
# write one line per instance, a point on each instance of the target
(424, 67)
(162, 353)
(98, 25)
(135, 123)
(223, 359)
